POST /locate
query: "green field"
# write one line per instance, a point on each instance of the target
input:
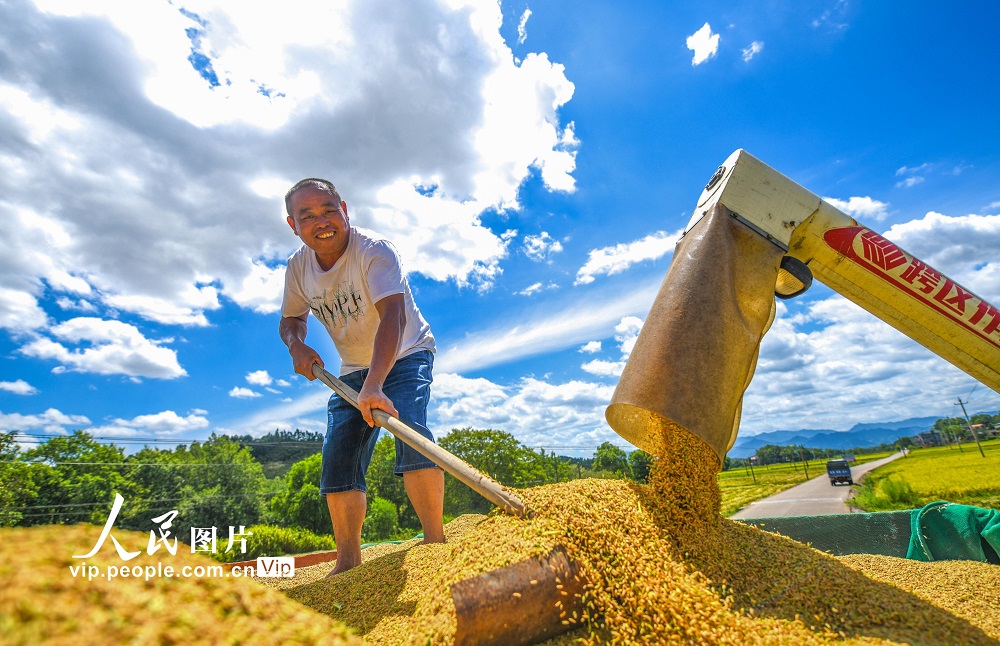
(937, 473)
(739, 487)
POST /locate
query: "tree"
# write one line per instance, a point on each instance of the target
(640, 463)
(300, 503)
(496, 453)
(612, 459)
(278, 450)
(384, 483)
(74, 479)
(16, 488)
(769, 454)
(381, 522)
(224, 486)
(215, 483)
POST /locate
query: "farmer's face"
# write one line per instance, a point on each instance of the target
(319, 219)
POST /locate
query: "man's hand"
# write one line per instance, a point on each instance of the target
(303, 358)
(293, 332)
(371, 396)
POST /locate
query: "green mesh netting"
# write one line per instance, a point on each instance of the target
(886, 533)
(939, 531)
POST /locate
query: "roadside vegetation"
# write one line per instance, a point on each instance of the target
(935, 473)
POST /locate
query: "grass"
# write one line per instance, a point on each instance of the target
(740, 487)
(936, 473)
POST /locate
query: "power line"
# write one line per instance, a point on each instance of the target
(133, 464)
(161, 440)
(42, 437)
(134, 503)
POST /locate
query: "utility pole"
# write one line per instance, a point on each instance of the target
(947, 438)
(971, 430)
(958, 440)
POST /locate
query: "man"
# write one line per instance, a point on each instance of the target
(352, 281)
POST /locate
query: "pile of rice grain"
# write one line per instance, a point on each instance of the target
(660, 566)
(41, 602)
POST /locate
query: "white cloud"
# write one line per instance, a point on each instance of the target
(522, 27)
(541, 246)
(81, 305)
(910, 182)
(166, 311)
(535, 288)
(159, 138)
(626, 334)
(614, 260)
(20, 312)
(966, 248)
(19, 387)
(703, 43)
(833, 18)
(107, 348)
(912, 176)
(838, 357)
(558, 325)
(259, 378)
(243, 393)
(305, 412)
(260, 289)
(591, 347)
(538, 413)
(51, 421)
(861, 208)
(604, 368)
(162, 424)
(914, 170)
(753, 49)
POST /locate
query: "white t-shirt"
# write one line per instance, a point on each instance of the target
(344, 297)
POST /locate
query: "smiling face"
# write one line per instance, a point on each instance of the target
(319, 218)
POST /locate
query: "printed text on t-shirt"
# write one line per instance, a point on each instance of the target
(333, 308)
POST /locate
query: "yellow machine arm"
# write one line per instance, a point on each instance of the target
(860, 264)
(756, 234)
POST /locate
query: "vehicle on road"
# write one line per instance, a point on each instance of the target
(839, 471)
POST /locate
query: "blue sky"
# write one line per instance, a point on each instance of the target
(534, 164)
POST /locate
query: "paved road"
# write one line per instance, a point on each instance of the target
(816, 497)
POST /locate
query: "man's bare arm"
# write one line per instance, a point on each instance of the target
(392, 320)
(292, 330)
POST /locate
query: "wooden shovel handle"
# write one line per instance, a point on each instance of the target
(476, 480)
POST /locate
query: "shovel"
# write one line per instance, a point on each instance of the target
(520, 604)
(476, 480)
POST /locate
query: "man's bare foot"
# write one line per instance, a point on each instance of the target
(428, 541)
(341, 566)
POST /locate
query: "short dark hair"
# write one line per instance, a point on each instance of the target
(321, 184)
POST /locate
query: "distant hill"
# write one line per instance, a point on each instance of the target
(278, 451)
(859, 435)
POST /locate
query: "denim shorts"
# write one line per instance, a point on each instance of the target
(349, 441)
